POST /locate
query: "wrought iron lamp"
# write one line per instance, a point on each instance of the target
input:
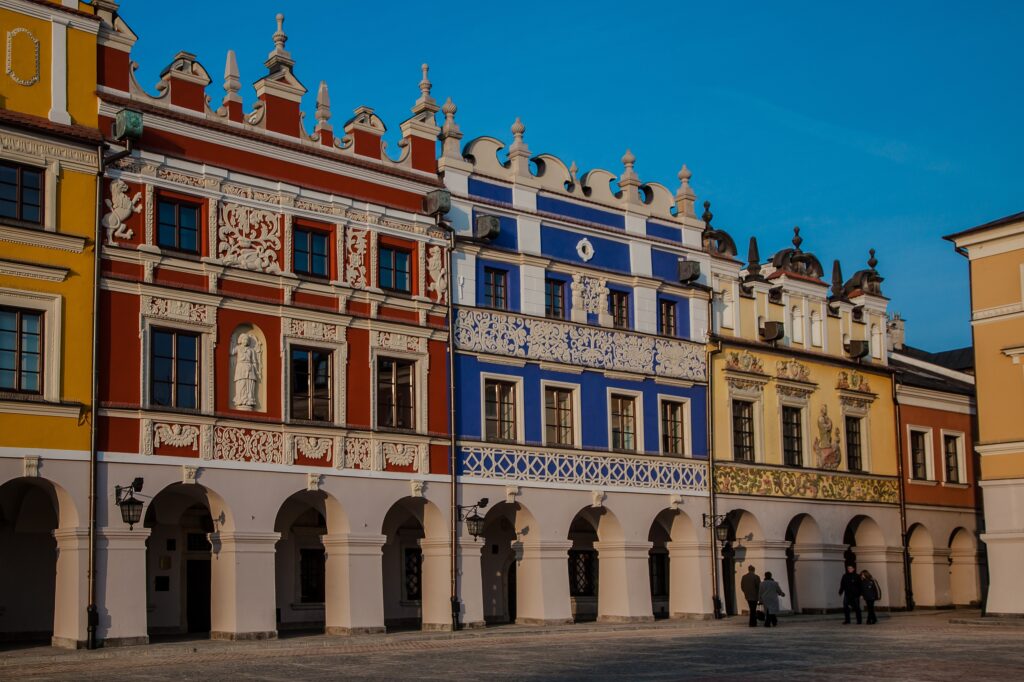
(474, 522)
(720, 522)
(131, 508)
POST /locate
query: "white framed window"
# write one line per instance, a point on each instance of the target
(856, 430)
(302, 386)
(817, 334)
(45, 339)
(674, 426)
(501, 408)
(746, 422)
(920, 457)
(400, 364)
(954, 457)
(162, 315)
(561, 414)
(793, 430)
(625, 420)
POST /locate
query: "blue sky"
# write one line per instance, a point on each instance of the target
(868, 124)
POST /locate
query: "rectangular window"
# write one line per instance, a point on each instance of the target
(618, 306)
(554, 299)
(853, 444)
(310, 255)
(311, 384)
(558, 418)
(951, 450)
(174, 369)
(21, 350)
(21, 193)
(742, 431)
(312, 573)
(394, 269)
(658, 564)
(668, 318)
(413, 569)
(177, 226)
(919, 455)
(673, 428)
(582, 576)
(792, 436)
(496, 288)
(395, 397)
(623, 422)
(500, 410)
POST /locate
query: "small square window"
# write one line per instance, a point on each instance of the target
(21, 193)
(394, 273)
(177, 226)
(311, 252)
(496, 288)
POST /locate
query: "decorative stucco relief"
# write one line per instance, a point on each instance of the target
(246, 445)
(172, 309)
(307, 329)
(249, 238)
(793, 370)
(438, 286)
(589, 294)
(120, 207)
(355, 258)
(771, 482)
(402, 343)
(312, 447)
(358, 454)
(26, 79)
(399, 454)
(853, 381)
(744, 361)
(176, 435)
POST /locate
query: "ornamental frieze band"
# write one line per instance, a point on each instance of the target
(812, 485)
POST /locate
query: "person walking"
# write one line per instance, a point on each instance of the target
(751, 586)
(769, 594)
(872, 593)
(851, 586)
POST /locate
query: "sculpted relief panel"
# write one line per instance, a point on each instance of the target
(249, 238)
(813, 485)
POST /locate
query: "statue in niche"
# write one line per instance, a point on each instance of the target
(826, 444)
(248, 372)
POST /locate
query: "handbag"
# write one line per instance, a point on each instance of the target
(760, 611)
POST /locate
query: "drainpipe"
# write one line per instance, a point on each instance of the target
(907, 584)
(452, 451)
(91, 612)
(716, 599)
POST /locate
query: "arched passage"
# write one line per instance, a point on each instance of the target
(745, 537)
(502, 552)
(415, 568)
(301, 561)
(681, 587)
(812, 567)
(583, 564)
(36, 517)
(929, 568)
(660, 536)
(866, 549)
(964, 568)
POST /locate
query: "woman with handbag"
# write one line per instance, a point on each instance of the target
(871, 593)
(769, 594)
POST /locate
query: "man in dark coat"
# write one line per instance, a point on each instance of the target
(850, 587)
(751, 586)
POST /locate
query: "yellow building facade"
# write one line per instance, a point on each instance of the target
(996, 254)
(49, 160)
(803, 426)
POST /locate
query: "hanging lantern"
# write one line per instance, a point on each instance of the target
(475, 525)
(722, 532)
(131, 511)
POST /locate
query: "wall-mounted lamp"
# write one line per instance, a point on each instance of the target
(131, 508)
(474, 522)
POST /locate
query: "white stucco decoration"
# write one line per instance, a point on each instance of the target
(23, 79)
(355, 258)
(438, 285)
(246, 370)
(584, 249)
(120, 207)
(249, 238)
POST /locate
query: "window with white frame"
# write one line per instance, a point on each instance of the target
(792, 435)
(311, 382)
(953, 457)
(396, 393)
(559, 416)
(674, 418)
(854, 442)
(919, 453)
(624, 422)
(746, 412)
(500, 414)
(174, 369)
(30, 343)
(743, 430)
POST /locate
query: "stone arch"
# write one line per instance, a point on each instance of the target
(964, 568)
(687, 571)
(508, 528)
(929, 568)
(867, 549)
(415, 565)
(745, 538)
(811, 566)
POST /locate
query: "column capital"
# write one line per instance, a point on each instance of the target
(68, 537)
(688, 548)
(122, 538)
(622, 549)
(244, 541)
(353, 540)
(435, 547)
(547, 547)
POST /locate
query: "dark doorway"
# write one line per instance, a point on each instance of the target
(512, 591)
(197, 595)
(729, 579)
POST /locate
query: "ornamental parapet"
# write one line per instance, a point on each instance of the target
(741, 479)
(543, 465)
(517, 336)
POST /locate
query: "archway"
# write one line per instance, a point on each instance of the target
(866, 549)
(31, 511)
(744, 533)
(415, 566)
(929, 569)
(583, 565)
(501, 553)
(811, 567)
(301, 563)
(659, 565)
(964, 569)
(179, 581)
(680, 573)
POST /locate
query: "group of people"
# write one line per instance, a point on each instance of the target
(853, 587)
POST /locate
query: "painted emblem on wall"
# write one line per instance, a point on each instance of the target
(20, 72)
(853, 381)
(826, 443)
(120, 207)
(791, 369)
(812, 485)
(744, 361)
(585, 250)
(249, 238)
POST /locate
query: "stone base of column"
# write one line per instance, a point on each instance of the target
(436, 627)
(66, 643)
(544, 621)
(691, 616)
(475, 625)
(335, 630)
(625, 619)
(244, 636)
(112, 642)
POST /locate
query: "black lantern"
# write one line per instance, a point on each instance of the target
(722, 531)
(720, 522)
(131, 508)
(474, 522)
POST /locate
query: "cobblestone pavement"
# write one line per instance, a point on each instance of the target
(919, 646)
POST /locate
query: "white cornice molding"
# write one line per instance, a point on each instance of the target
(935, 400)
(992, 241)
(46, 273)
(39, 409)
(49, 12)
(1013, 447)
(933, 368)
(42, 238)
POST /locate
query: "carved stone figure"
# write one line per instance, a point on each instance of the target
(438, 274)
(826, 444)
(249, 238)
(247, 375)
(120, 207)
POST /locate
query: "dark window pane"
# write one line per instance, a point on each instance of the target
(792, 436)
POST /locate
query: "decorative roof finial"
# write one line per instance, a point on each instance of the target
(518, 152)
(573, 171)
(837, 280)
(280, 37)
(684, 195)
(450, 133)
(628, 159)
(753, 259)
(872, 261)
(323, 107)
(232, 83)
(797, 239)
(518, 129)
(708, 215)
(425, 83)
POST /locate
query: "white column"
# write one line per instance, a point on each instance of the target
(817, 571)
(436, 589)
(542, 583)
(690, 587)
(71, 587)
(624, 583)
(929, 577)
(886, 566)
(471, 589)
(354, 587)
(766, 556)
(121, 586)
(59, 71)
(243, 595)
(965, 577)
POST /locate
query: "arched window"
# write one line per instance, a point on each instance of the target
(816, 331)
(797, 317)
(876, 342)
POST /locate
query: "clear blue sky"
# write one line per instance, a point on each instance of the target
(868, 124)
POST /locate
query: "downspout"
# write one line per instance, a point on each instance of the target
(907, 584)
(91, 612)
(716, 600)
(452, 453)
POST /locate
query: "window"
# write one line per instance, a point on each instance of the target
(311, 252)
(21, 193)
(673, 431)
(582, 573)
(792, 436)
(658, 565)
(413, 569)
(951, 454)
(668, 318)
(728, 309)
(21, 350)
(395, 397)
(174, 380)
(743, 431)
(312, 572)
(500, 410)
(618, 306)
(854, 460)
(798, 324)
(554, 299)
(876, 342)
(495, 288)
(623, 422)
(311, 384)
(177, 226)
(394, 273)
(815, 328)
(558, 418)
(919, 455)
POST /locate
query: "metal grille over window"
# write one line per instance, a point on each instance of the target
(792, 436)
(413, 573)
(582, 573)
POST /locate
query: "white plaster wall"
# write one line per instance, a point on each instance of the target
(531, 282)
